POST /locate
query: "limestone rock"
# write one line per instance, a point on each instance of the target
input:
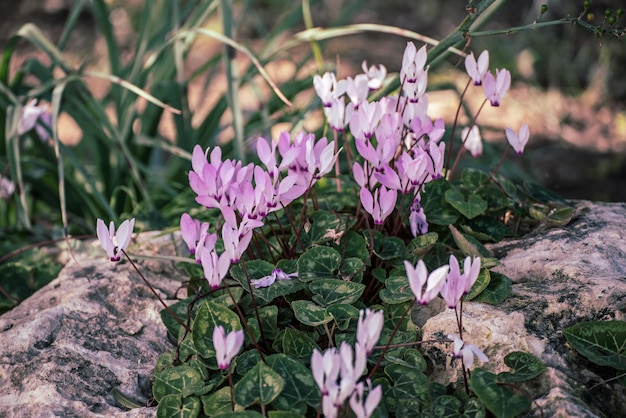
(93, 330)
(560, 276)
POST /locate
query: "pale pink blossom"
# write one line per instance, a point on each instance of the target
(466, 352)
(375, 75)
(472, 140)
(363, 407)
(518, 141)
(496, 87)
(226, 346)
(191, 230)
(215, 267)
(477, 70)
(112, 242)
(425, 286)
(267, 281)
(326, 88)
(380, 204)
(368, 328)
(7, 187)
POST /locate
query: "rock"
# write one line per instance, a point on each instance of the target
(94, 330)
(560, 276)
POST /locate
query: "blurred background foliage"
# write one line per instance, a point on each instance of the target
(119, 155)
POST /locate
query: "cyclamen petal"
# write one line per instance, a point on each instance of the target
(518, 142)
(477, 70)
(226, 345)
(114, 243)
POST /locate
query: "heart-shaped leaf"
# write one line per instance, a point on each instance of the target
(499, 399)
(173, 406)
(327, 292)
(260, 385)
(525, 366)
(310, 313)
(497, 291)
(470, 206)
(319, 263)
(602, 342)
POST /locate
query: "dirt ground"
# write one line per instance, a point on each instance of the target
(578, 142)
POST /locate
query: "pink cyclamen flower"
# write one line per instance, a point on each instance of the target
(518, 141)
(417, 220)
(453, 288)
(375, 75)
(496, 87)
(363, 407)
(7, 187)
(192, 230)
(380, 204)
(327, 88)
(472, 141)
(226, 345)
(267, 281)
(114, 243)
(477, 70)
(466, 352)
(325, 368)
(425, 286)
(33, 116)
(368, 328)
(215, 267)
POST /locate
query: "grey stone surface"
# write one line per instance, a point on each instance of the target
(561, 276)
(93, 330)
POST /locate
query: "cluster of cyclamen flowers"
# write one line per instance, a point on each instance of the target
(338, 372)
(401, 150)
(246, 195)
(399, 143)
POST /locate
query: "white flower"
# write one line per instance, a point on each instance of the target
(466, 351)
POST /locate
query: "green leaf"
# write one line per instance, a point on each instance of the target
(352, 270)
(209, 316)
(260, 385)
(408, 390)
(407, 357)
(283, 414)
(499, 399)
(525, 366)
(389, 248)
(353, 245)
(295, 344)
(497, 291)
(483, 280)
(269, 322)
(309, 313)
(474, 178)
(470, 207)
(438, 211)
(319, 263)
(327, 292)
(321, 222)
(468, 245)
(240, 414)
(218, 402)
(247, 361)
(397, 290)
(487, 228)
(299, 383)
(343, 314)
(180, 381)
(602, 342)
(421, 244)
(560, 217)
(450, 407)
(173, 406)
